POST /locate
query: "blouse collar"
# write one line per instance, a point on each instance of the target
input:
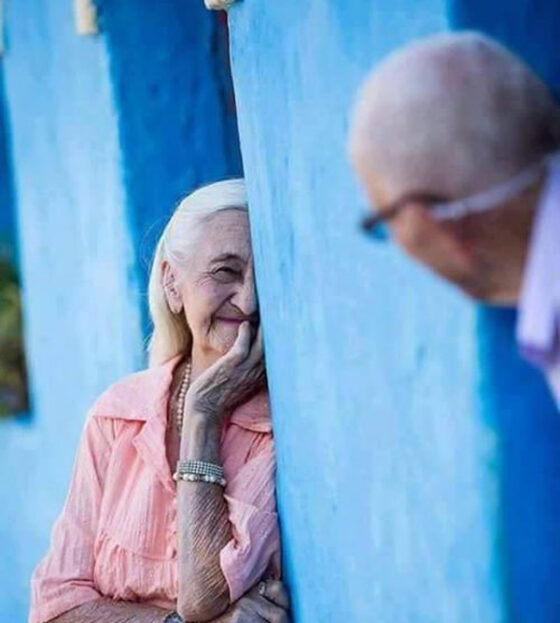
(144, 395)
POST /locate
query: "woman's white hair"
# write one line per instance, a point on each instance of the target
(171, 334)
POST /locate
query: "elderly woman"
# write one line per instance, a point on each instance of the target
(171, 510)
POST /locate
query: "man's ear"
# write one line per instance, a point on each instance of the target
(170, 288)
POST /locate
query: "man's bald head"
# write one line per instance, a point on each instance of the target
(452, 114)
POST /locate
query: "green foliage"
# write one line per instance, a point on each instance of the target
(13, 377)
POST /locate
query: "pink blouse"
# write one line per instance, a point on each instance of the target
(117, 536)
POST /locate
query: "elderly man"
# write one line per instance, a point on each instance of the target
(458, 145)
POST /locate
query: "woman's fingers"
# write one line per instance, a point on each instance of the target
(269, 611)
(245, 349)
(256, 353)
(242, 344)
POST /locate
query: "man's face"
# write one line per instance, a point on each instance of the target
(442, 247)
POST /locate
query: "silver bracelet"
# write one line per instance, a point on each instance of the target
(200, 471)
(201, 468)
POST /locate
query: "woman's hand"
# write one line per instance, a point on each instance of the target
(254, 608)
(231, 380)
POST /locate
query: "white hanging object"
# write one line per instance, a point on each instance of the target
(85, 17)
(218, 5)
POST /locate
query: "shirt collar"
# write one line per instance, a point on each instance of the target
(143, 396)
(539, 308)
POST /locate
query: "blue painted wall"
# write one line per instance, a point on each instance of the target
(7, 225)
(99, 156)
(81, 309)
(418, 457)
(515, 400)
(529, 27)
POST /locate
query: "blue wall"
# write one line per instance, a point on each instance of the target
(418, 469)
(7, 225)
(515, 400)
(101, 151)
(81, 310)
(529, 27)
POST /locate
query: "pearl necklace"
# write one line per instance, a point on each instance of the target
(182, 395)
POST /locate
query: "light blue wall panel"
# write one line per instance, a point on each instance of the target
(402, 415)
(7, 225)
(81, 308)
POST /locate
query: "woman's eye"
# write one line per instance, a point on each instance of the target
(225, 271)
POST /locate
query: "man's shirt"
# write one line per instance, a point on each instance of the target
(538, 327)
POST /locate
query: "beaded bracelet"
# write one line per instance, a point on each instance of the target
(200, 471)
(198, 478)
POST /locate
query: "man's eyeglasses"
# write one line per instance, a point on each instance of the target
(442, 209)
(384, 215)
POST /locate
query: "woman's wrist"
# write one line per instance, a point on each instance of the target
(200, 438)
(199, 408)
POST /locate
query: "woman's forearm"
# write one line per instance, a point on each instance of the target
(110, 611)
(203, 527)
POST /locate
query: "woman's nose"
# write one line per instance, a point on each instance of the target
(246, 297)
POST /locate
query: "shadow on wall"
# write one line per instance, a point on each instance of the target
(528, 426)
(527, 27)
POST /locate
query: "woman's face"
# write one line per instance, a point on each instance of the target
(217, 289)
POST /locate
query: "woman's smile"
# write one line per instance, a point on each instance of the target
(234, 320)
(230, 320)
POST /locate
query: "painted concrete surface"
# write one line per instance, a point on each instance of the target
(529, 27)
(414, 448)
(516, 401)
(7, 225)
(81, 309)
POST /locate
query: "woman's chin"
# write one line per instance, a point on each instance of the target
(225, 339)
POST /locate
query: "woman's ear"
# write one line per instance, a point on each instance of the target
(169, 281)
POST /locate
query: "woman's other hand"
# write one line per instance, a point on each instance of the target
(254, 608)
(276, 592)
(232, 379)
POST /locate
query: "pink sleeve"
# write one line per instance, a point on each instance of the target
(64, 578)
(255, 546)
